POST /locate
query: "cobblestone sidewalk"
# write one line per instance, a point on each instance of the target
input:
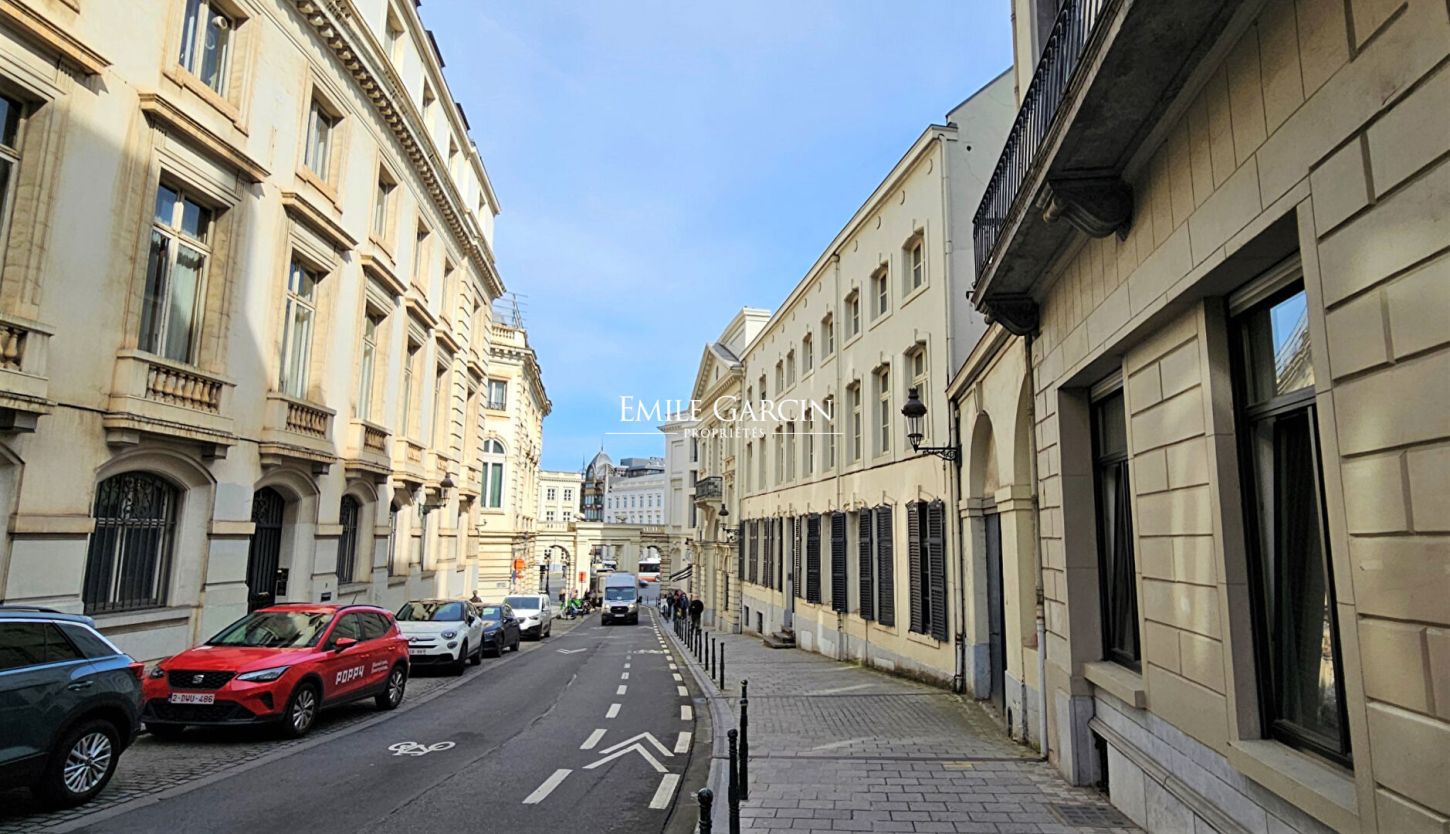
(837, 747)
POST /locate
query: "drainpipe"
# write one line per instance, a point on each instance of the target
(1037, 547)
(959, 681)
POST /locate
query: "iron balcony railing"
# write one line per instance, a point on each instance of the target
(709, 489)
(1076, 22)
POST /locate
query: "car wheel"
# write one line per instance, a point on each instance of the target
(81, 765)
(518, 643)
(462, 661)
(392, 694)
(477, 657)
(550, 629)
(301, 710)
(166, 732)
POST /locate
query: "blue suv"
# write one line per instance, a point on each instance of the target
(69, 704)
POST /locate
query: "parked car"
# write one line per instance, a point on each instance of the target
(500, 627)
(535, 613)
(442, 631)
(280, 665)
(70, 704)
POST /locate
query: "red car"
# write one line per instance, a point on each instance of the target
(280, 664)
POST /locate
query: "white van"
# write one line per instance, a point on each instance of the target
(621, 598)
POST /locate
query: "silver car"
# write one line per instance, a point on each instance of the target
(535, 613)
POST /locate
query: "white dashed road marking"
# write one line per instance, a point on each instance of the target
(665, 791)
(542, 792)
(683, 742)
(687, 712)
(593, 739)
(613, 711)
(683, 691)
(677, 677)
(621, 690)
(624, 676)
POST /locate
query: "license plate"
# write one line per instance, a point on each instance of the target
(417, 651)
(192, 698)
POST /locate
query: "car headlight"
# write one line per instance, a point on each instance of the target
(449, 635)
(156, 672)
(262, 675)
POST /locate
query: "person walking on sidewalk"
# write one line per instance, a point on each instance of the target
(696, 609)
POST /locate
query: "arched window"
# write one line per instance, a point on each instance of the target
(347, 542)
(128, 563)
(493, 460)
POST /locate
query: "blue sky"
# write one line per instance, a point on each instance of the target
(651, 156)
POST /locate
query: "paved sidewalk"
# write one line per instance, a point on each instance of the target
(837, 747)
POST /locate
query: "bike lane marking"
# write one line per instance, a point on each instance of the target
(542, 791)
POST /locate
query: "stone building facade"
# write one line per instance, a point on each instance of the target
(244, 311)
(1220, 230)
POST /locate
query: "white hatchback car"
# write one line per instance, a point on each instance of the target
(535, 613)
(442, 631)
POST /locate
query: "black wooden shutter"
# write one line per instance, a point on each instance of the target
(755, 549)
(913, 567)
(863, 579)
(937, 567)
(885, 568)
(798, 577)
(813, 558)
(838, 562)
(781, 526)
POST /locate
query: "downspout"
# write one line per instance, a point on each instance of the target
(1037, 547)
(954, 481)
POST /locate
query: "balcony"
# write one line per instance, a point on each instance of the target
(408, 460)
(1109, 71)
(709, 489)
(297, 430)
(23, 380)
(367, 451)
(155, 396)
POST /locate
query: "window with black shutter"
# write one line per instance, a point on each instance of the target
(740, 547)
(755, 547)
(885, 568)
(813, 558)
(1115, 530)
(865, 567)
(936, 568)
(916, 579)
(778, 563)
(838, 562)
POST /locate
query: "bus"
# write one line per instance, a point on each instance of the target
(649, 569)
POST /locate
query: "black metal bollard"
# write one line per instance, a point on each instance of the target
(734, 796)
(744, 739)
(709, 652)
(720, 666)
(706, 798)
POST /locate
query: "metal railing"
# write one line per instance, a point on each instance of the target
(709, 489)
(1063, 52)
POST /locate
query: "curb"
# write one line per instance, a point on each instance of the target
(721, 720)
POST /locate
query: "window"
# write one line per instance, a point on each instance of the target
(128, 560)
(915, 263)
(298, 317)
(853, 404)
(206, 43)
(442, 394)
(568, 495)
(883, 414)
(779, 454)
(171, 309)
(550, 494)
(316, 154)
(808, 440)
(410, 365)
(24, 644)
(383, 206)
(926, 568)
(790, 451)
(1300, 671)
(395, 38)
(493, 460)
(393, 565)
(749, 461)
(498, 394)
(429, 100)
(919, 377)
(880, 293)
(11, 113)
(808, 359)
(347, 543)
(828, 336)
(829, 406)
(420, 258)
(1115, 530)
(367, 362)
(853, 314)
(779, 377)
(763, 395)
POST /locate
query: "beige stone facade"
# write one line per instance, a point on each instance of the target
(244, 312)
(1262, 348)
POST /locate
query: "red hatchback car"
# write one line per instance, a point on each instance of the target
(280, 664)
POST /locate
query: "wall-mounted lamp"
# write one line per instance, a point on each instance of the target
(915, 413)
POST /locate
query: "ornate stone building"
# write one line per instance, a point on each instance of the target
(245, 321)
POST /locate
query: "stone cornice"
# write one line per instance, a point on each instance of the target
(37, 28)
(161, 109)
(336, 23)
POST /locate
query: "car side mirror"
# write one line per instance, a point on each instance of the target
(343, 643)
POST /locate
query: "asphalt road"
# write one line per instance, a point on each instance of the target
(531, 743)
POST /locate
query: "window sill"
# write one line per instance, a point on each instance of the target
(915, 294)
(322, 187)
(353, 587)
(147, 616)
(397, 581)
(878, 628)
(878, 320)
(384, 246)
(1119, 681)
(179, 76)
(1323, 790)
(923, 639)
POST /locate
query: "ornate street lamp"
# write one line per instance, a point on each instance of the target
(444, 487)
(915, 413)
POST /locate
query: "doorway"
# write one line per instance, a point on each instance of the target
(996, 617)
(265, 581)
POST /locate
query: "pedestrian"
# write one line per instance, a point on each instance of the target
(696, 609)
(475, 599)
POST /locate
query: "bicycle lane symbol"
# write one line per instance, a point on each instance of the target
(413, 748)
